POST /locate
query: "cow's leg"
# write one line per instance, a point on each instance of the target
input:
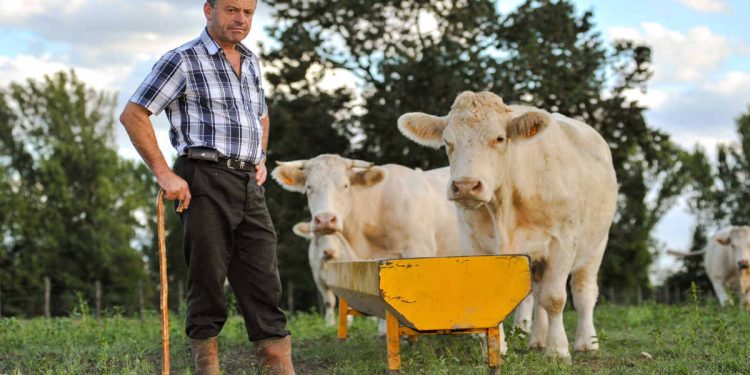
(721, 292)
(552, 296)
(329, 301)
(585, 291)
(540, 324)
(382, 328)
(522, 318)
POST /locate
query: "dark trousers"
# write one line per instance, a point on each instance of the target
(228, 233)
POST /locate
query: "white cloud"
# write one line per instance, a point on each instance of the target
(734, 84)
(653, 98)
(677, 56)
(707, 6)
(22, 67)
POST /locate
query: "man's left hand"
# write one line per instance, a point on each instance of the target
(260, 173)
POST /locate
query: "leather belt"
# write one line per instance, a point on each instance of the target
(209, 154)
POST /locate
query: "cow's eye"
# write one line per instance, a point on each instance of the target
(346, 186)
(499, 140)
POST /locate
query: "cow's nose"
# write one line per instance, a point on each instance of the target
(328, 254)
(325, 220)
(743, 264)
(466, 186)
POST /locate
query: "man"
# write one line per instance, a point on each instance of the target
(211, 91)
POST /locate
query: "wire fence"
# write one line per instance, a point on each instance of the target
(98, 301)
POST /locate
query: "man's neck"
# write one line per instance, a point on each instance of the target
(226, 47)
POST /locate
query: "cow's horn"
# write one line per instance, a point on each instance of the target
(360, 164)
(299, 164)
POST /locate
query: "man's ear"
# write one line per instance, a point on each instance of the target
(427, 130)
(290, 176)
(302, 229)
(528, 125)
(368, 177)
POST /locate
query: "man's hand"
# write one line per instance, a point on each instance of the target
(261, 173)
(175, 188)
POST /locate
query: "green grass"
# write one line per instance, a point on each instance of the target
(688, 339)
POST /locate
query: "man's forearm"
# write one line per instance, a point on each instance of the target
(136, 121)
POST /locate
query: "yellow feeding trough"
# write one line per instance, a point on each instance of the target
(451, 295)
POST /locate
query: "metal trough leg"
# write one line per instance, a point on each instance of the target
(493, 350)
(343, 319)
(394, 350)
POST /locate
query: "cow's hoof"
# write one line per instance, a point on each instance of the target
(586, 347)
(536, 345)
(560, 357)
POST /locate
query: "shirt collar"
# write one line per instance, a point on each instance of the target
(213, 48)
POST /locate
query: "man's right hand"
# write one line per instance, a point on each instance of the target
(175, 188)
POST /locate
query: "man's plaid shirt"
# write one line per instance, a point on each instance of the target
(206, 103)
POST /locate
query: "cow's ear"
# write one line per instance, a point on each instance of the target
(368, 177)
(290, 177)
(528, 125)
(427, 130)
(302, 229)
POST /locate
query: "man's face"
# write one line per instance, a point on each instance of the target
(230, 20)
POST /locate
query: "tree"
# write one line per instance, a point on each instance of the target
(305, 121)
(72, 199)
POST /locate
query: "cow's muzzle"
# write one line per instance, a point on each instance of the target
(743, 264)
(467, 192)
(326, 223)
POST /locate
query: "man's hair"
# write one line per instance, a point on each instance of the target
(212, 3)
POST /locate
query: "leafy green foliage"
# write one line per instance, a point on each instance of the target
(70, 200)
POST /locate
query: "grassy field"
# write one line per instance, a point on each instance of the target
(687, 339)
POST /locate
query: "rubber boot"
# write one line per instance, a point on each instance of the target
(205, 356)
(275, 356)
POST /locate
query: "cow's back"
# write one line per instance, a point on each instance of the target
(415, 209)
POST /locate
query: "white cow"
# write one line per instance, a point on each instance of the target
(535, 183)
(324, 248)
(388, 211)
(727, 262)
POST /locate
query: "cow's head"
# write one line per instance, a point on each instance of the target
(323, 247)
(737, 240)
(477, 135)
(331, 184)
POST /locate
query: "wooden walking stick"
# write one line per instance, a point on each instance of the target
(164, 287)
(164, 305)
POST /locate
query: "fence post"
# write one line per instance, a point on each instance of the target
(179, 295)
(98, 288)
(47, 291)
(290, 296)
(141, 298)
(639, 296)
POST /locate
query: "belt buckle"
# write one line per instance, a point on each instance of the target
(229, 164)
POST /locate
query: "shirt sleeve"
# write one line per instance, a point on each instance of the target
(165, 83)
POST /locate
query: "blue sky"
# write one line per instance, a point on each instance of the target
(701, 51)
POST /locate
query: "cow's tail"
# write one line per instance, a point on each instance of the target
(685, 254)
